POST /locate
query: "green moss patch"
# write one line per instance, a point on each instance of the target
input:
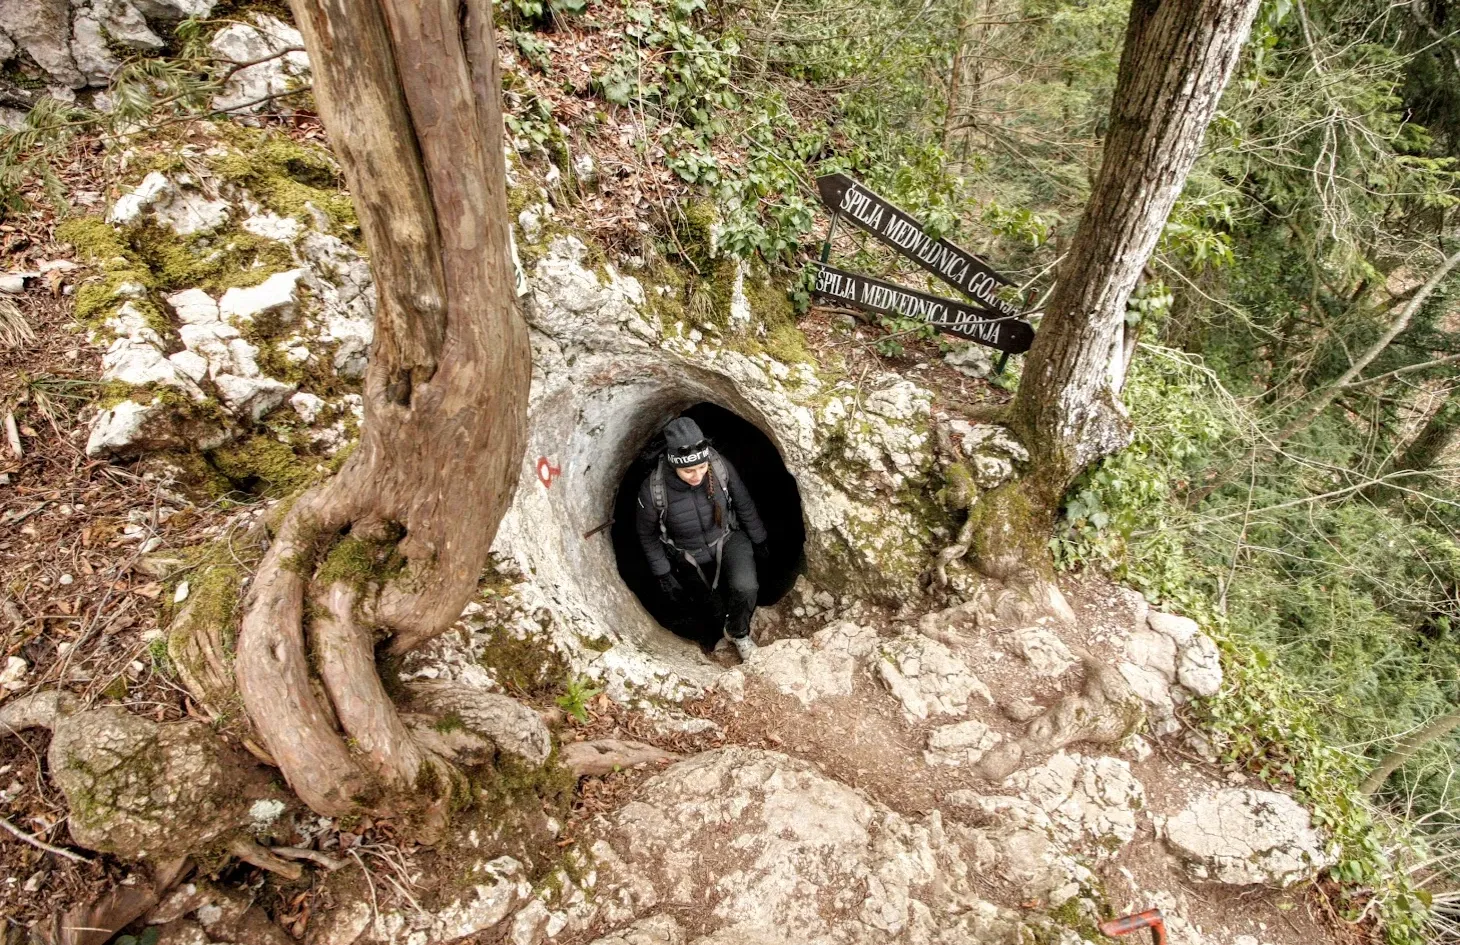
(288, 177)
(261, 464)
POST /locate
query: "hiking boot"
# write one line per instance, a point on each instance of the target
(744, 646)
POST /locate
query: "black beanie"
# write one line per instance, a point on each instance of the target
(684, 443)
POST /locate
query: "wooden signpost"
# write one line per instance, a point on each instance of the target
(990, 320)
(1003, 332)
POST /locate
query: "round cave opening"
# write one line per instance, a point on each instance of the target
(772, 489)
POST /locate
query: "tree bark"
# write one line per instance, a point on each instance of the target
(1438, 728)
(1435, 437)
(410, 94)
(1177, 58)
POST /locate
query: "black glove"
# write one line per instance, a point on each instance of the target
(762, 552)
(670, 585)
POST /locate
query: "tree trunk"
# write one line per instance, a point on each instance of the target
(390, 550)
(1426, 448)
(966, 82)
(1177, 58)
(1438, 728)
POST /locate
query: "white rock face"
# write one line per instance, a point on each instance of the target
(1091, 802)
(171, 10)
(927, 678)
(963, 743)
(176, 205)
(1179, 629)
(809, 669)
(1200, 668)
(1043, 650)
(1241, 837)
(972, 360)
(129, 427)
(254, 397)
(767, 849)
(89, 50)
(277, 296)
(651, 930)
(266, 36)
(43, 29)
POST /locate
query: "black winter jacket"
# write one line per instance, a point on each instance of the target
(689, 517)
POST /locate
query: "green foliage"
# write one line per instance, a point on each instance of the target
(577, 693)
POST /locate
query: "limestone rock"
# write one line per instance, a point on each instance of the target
(1155, 691)
(1153, 651)
(265, 37)
(1242, 836)
(136, 788)
(1200, 667)
(175, 204)
(811, 669)
(650, 930)
(194, 306)
(513, 727)
(766, 849)
(972, 360)
(130, 427)
(964, 743)
(173, 10)
(927, 678)
(125, 24)
(1179, 629)
(89, 50)
(278, 295)
(495, 891)
(43, 29)
(1091, 802)
(253, 397)
(1042, 648)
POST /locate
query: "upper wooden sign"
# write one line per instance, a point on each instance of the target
(901, 230)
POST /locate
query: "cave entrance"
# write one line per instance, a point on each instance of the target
(772, 488)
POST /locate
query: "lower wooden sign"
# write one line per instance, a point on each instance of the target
(1003, 332)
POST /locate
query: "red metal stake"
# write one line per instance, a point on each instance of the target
(1150, 919)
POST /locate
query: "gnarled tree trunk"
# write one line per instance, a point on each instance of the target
(389, 551)
(1177, 58)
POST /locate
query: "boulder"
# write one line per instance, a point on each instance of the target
(252, 397)
(1153, 651)
(1241, 836)
(971, 360)
(278, 296)
(1179, 629)
(811, 669)
(1091, 802)
(89, 50)
(43, 29)
(764, 848)
(1200, 666)
(126, 25)
(174, 204)
(1043, 650)
(650, 930)
(927, 678)
(265, 38)
(963, 743)
(173, 10)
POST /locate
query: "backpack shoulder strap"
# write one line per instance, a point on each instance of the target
(661, 501)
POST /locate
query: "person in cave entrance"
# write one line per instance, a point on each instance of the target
(701, 533)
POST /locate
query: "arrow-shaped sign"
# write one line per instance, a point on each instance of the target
(903, 232)
(1003, 332)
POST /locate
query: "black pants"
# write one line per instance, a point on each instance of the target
(731, 604)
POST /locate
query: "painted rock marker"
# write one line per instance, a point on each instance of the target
(1004, 332)
(903, 232)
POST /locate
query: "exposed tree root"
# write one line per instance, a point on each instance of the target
(1105, 711)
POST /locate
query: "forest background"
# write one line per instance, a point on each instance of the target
(1293, 480)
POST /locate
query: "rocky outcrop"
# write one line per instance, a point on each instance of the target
(1243, 837)
(765, 848)
(807, 669)
(928, 678)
